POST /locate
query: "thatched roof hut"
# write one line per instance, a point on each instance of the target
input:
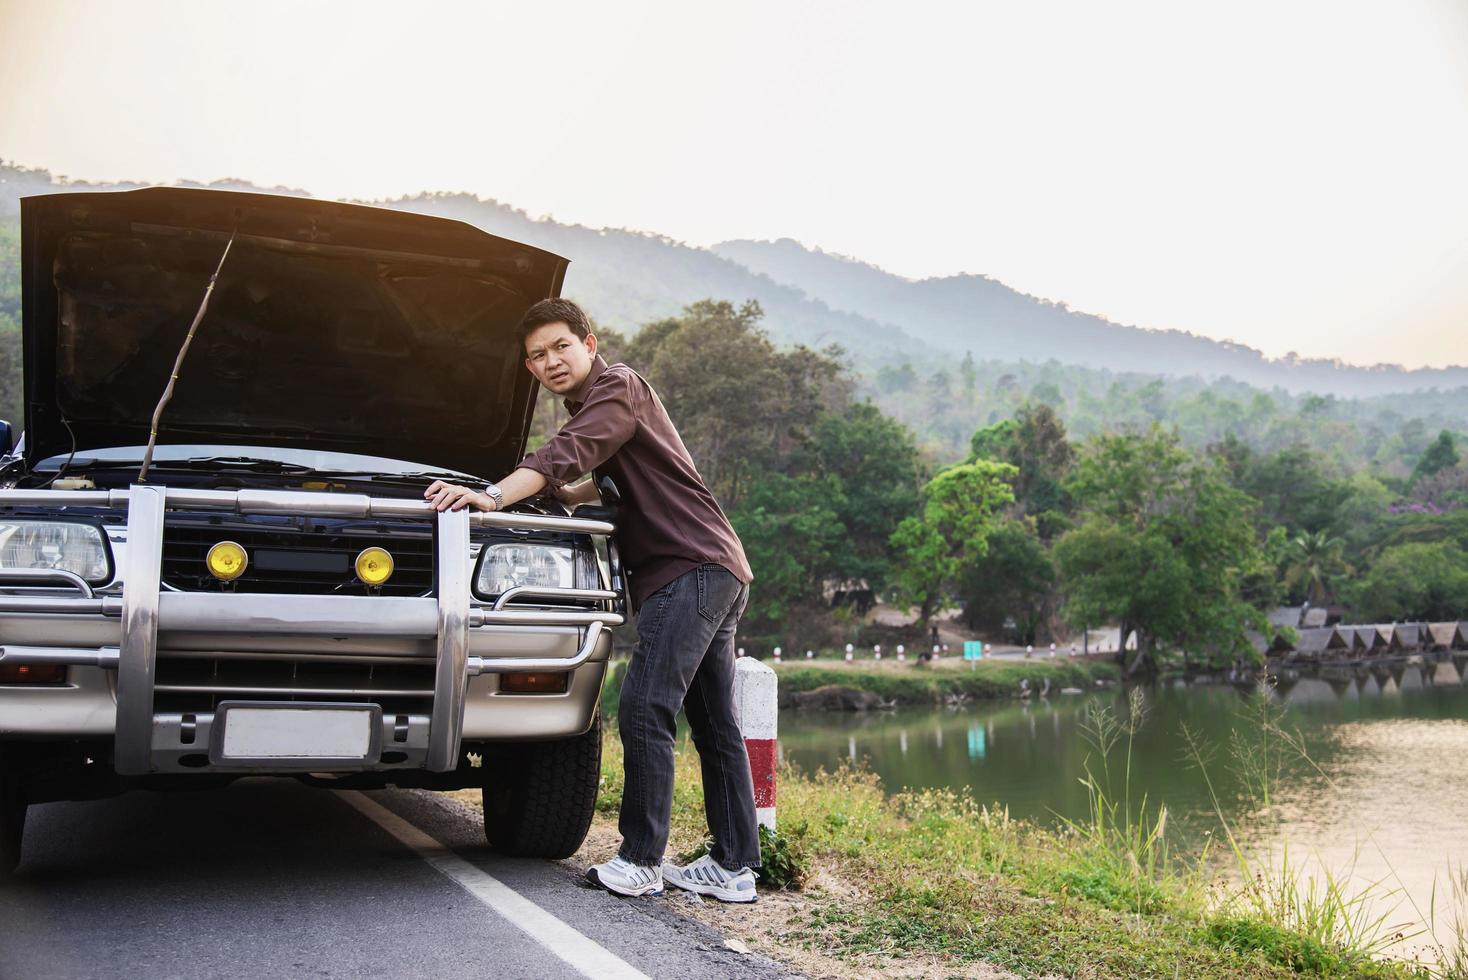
(1315, 643)
(1446, 636)
(1364, 639)
(1285, 616)
(1407, 636)
(1314, 617)
(1272, 645)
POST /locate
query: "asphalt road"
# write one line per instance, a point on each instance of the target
(268, 878)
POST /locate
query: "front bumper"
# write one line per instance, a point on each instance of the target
(114, 643)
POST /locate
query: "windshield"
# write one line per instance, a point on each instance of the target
(315, 459)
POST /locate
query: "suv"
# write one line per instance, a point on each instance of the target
(272, 594)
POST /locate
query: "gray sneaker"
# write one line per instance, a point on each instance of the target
(708, 877)
(626, 878)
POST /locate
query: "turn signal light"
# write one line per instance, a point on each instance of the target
(227, 561)
(32, 674)
(523, 682)
(374, 566)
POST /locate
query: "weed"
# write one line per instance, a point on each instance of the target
(784, 865)
(1123, 860)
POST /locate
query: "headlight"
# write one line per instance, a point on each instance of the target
(75, 548)
(536, 566)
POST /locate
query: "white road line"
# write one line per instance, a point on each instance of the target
(579, 951)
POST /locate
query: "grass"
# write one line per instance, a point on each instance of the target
(916, 683)
(948, 680)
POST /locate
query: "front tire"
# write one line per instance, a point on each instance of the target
(539, 797)
(12, 820)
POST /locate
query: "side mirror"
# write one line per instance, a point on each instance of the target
(7, 437)
(610, 495)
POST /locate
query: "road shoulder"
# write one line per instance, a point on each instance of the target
(651, 934)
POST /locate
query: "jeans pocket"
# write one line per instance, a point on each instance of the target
(653, 612)
(718, 590)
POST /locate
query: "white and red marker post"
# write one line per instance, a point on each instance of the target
(756, 702)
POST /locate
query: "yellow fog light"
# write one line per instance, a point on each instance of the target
(227, 561)
(374, 566)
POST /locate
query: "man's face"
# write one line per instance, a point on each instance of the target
(558, 358)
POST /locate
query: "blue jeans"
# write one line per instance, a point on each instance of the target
(685, 657)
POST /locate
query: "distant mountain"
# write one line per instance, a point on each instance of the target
(627, 278)
(624, 278)
(995, 322)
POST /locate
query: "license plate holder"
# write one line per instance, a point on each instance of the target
(309, 735)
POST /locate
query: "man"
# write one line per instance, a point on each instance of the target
(689, 581)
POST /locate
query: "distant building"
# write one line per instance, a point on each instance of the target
(1286, 616)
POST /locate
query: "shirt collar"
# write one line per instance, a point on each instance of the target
(577, 398)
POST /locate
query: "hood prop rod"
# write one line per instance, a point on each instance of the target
(178, 362)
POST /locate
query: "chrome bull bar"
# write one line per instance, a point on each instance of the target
(144, 608)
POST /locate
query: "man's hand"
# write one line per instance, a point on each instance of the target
(572, 494)
(446, 496)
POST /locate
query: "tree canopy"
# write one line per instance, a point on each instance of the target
(1163, 546)
(959, 510)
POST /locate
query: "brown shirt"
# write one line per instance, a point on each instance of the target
(669, 522)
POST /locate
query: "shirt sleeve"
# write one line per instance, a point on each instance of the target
(604, 424)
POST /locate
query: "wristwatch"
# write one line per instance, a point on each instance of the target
(494, 493)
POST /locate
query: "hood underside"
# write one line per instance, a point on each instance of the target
(332, 326)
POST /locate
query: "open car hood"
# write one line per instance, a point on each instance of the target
(332, 326)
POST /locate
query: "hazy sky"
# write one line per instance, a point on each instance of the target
(1291, 174)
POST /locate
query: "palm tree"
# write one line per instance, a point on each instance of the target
(1312, 560)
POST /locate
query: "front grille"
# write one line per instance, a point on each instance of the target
(197, 681)
(296, 555)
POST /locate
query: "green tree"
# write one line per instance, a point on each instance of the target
(1035, 443)
(896, 379)
(743, 407)
(1293, 489)
(1164, 547)
(1361, 514)
(1441, 455)
(1014, 580)
(960, 508)
(1414, 581)
(994, 441)
(790, 535)
(1312, 562)
(874, 463)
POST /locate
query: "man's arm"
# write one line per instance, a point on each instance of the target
(574, 494)
(516, 487)
(603, 425)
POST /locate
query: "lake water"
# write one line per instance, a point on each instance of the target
(1383, 796)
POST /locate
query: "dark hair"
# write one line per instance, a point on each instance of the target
(555, 311)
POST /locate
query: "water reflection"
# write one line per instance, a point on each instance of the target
(977, 741)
